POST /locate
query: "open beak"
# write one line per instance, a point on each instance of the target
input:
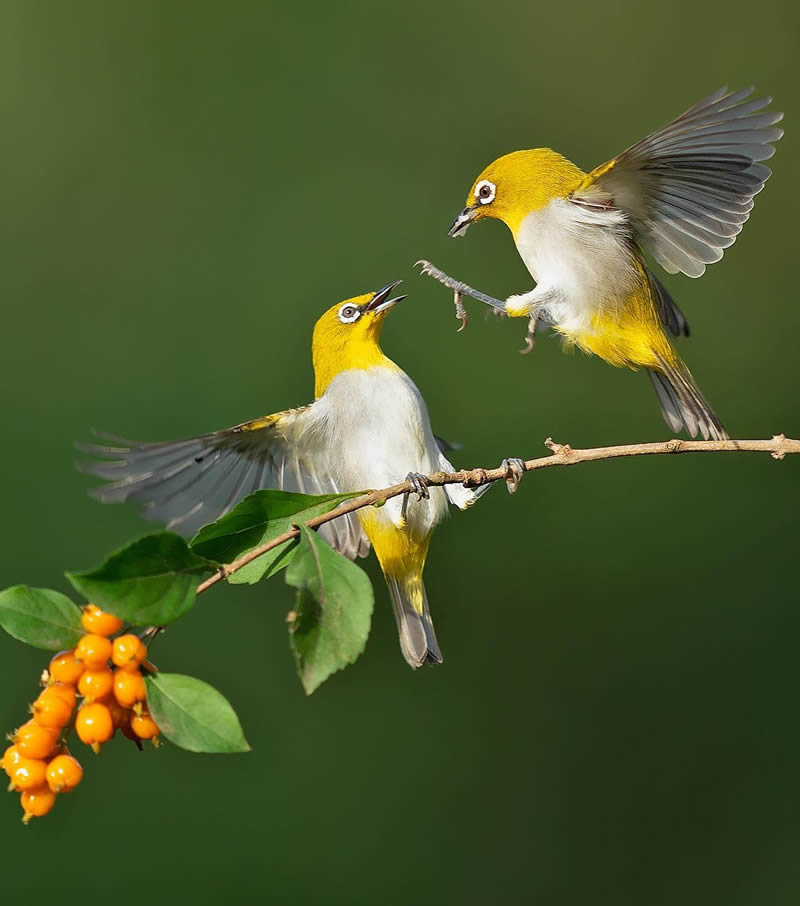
(381, 302)
(464, 219)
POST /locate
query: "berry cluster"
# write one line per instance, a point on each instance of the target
(107, 674)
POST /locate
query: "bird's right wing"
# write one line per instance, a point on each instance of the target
(688, 188)
(188, 483)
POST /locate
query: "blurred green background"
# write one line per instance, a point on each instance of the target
(186, 187)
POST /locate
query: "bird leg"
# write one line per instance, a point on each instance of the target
(459, 291)
(515, 469)
(419, 486)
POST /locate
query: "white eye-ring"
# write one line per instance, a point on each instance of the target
(349, 313)
(485, 191)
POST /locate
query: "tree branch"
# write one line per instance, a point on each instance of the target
(561, 455)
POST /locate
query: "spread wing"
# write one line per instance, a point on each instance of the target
(688, 188)
(189, 483)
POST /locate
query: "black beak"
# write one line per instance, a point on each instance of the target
(460, 224)
(381, 301)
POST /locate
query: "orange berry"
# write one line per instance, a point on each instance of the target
(28, 774)
(37, 802)
(65, 669)
(129, 688)
(99, 622)
(95, 684)
(129, 651)
(52, 709)
(64, 773)
(93, 725)
(35, 741)
(11, 759)
(65, 691)
(144, 726)
(93, 651)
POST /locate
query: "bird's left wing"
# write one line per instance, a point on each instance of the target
(688, 188)
(189, 483)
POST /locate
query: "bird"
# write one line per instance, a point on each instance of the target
(682, 194)
(368, 427)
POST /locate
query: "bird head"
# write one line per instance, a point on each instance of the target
(347, 336)
(515, 185)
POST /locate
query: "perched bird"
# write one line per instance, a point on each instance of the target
(368, 427)
(682, 194)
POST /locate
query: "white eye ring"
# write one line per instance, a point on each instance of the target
(349, 313)
(483, 196)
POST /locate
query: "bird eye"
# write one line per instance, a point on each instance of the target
(348, 314)
(485, 191)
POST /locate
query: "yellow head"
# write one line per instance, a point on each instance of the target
(347, 336)
(516, 184)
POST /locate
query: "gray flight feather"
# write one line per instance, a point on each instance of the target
(688, 188)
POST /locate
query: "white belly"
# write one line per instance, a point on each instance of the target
(583, 254)
(380, 431)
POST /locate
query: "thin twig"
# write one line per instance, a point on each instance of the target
(561, 455)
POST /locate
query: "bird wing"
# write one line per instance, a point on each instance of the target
(189, 483)
(688, 188)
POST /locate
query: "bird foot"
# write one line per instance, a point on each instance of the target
(530, 336)
(461, 313)
(515, 469)
(459, 288)
(419, 486)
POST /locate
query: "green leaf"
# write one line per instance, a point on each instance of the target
(332, 616)
(193, 715)
(40, 617)
(255, 521)
(149, 582)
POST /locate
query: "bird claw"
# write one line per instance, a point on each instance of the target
(419, 486)
(459, 288)
(515, 469)
(461, 313)
(530, 337)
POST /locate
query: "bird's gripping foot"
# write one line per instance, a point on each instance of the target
(419, 486)
(515, 469)
(459, 291)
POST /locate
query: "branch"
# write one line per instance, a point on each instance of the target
(561, 455)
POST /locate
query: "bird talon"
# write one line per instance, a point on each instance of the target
(514, 469)
(419, 485)
(461, 314)
(530, 337)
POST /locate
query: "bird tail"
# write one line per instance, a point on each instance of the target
(682, 403)
(414, 625)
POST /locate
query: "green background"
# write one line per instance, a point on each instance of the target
(186, 187)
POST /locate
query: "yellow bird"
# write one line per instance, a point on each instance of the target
(368, 427)
(682, 194)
